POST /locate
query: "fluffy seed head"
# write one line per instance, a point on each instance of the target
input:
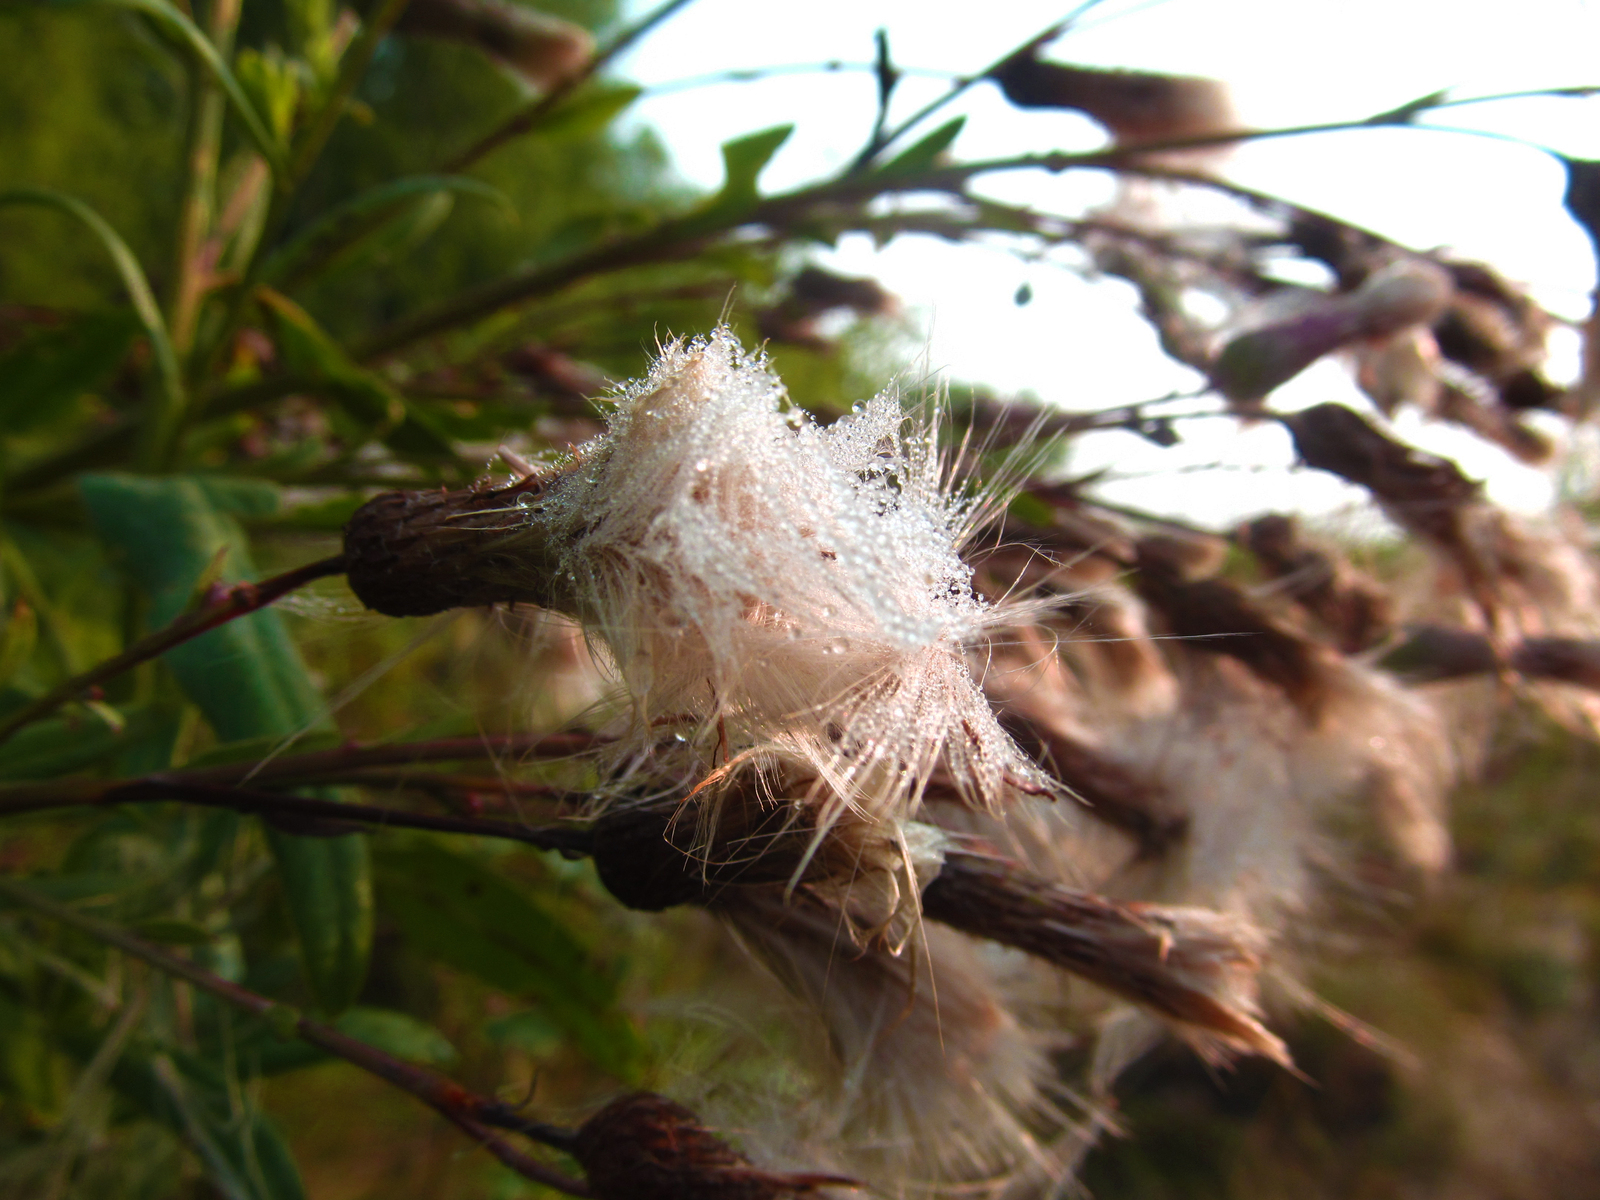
(780, 586)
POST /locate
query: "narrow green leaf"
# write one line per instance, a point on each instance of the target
(477, 921)
(60, 746)
(926, 151)
(327, 884)
(56, 366)
(172, 931)
(398, 1034)
(590, 112)
(245, 1156)
(133, 279)
(364, 394)
(248, 681)
(743, 160)
(335, 227)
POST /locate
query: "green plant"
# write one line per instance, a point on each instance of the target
(193, 902)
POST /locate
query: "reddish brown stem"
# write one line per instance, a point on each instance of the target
(470, 1112)
(223, 605)
(302, 814)
(528, 118)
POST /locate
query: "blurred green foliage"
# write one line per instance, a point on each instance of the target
(127, 496)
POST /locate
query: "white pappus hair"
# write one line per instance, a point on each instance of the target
(782, 586)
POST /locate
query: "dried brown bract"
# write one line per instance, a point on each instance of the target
(1355, 611)
(1134, 106)
(646, 1147)
(543, 49)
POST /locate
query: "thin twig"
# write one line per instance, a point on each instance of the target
(469, 1111)
(882, 139)
(307, 815)
(352, 66)
(528, 118)
(224, 605)
(684, 236)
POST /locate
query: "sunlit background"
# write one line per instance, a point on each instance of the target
(1080, 344)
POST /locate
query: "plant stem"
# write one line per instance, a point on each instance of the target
(310, 816)
(684, 236)
(527, 119)
(192, 271)
(223, 606)
(352, 66)
(468, 1111)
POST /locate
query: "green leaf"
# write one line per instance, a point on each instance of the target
(398, 1034)
(245, 1156)
(364, 394)
(335, 227)
(59, 746)
(743, 160)
(248, 681)
(271, 1052)
(452, 909)
(187, 33)
(172, 931)
(55, 367)
(925, 152)
(327, 884)
(532, 1032)
(272, 82)
(133, 279)
(589, 113)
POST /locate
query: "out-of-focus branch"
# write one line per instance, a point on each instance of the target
(294, 814)
(687, 235)
(1434, 653)
(528, 118)
(469, 1112)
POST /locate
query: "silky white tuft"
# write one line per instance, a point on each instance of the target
(780, 586)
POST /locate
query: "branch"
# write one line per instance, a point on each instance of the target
(1189, 964)
(882, 139)
(528, 118)
(470, 1112)
(641, 1145)
(224, 604)
(352, 66)
(684, 236)
(296, 814)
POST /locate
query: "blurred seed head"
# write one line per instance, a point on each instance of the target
(543, 49)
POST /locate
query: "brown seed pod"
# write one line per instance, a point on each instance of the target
(1135, 106)
(1193, 966)
(646, 1147)
(1421, 492)
(543, 49)
(1221, 619)
(1400, 296)
(412, 554)
(1354, 609)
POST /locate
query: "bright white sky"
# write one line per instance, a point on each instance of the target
(1289, 62)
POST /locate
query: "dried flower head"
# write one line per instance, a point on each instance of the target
(782, 588)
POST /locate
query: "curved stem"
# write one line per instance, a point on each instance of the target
(468, 1111)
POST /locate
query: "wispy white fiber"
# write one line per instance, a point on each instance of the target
(771, 583)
